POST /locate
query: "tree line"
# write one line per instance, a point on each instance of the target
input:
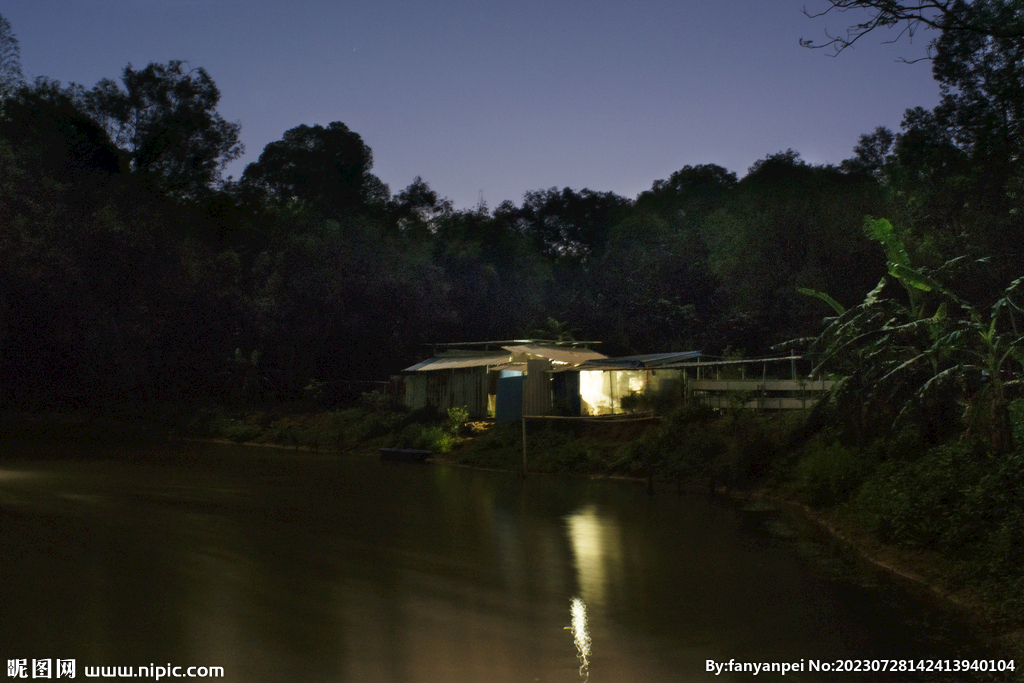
(132, 272)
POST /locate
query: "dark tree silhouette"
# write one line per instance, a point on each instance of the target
(328, 168)
(53, 136)
(10, 59)
(1000, 18)
(166, 122)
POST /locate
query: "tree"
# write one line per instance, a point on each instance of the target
(328, 168)
(570, 224)
(871, 153)
(166, 123)
(925, 179)
(689, 192)
(342, 301)
(789, 224)
(52, 136)
(949, 16)
(649, 288)
(10, 59)
(982, 83)
(496, 283)
(417, 208)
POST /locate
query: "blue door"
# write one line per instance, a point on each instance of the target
(508, 404)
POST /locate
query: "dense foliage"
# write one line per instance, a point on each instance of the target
(132, 272)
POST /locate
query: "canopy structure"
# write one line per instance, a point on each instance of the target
(457, 359)
(558, 355)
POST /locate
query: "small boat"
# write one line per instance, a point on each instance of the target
(404, 454)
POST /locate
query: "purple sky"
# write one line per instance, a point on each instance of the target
(498, 97)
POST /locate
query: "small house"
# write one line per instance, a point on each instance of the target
(505, 379)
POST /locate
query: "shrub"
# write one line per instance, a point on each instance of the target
(375, 401)
(828, 475)
(922, 501)
(683, 445)
(435, 439)
(239, 431)
(457, 419)
(631, 402)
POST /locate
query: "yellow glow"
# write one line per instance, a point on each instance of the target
(597, 548)
(602, 392)
(594, 392)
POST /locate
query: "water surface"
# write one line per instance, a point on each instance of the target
(292, 567)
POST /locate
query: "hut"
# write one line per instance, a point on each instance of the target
(504, 379)
(453, 378)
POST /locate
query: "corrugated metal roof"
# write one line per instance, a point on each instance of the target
(641, 362)
(506, 342)
(739, 361)
(454, 360)
(559, 354)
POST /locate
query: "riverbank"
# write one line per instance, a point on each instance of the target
(923, 571)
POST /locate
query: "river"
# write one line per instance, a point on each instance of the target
(281, 566)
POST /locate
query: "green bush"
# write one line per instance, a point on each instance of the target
(961, 500)
(435, 439)
(685, 444)
(631, 402)
(350, 427)
(926, 501)
(375, 401)
(457, 419)
(829, 474)
(239, 431)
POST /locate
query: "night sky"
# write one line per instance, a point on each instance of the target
(488, 98)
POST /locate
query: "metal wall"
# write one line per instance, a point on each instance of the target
(446, 389)
(537, 387)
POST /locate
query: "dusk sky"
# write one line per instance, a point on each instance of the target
(481, 97)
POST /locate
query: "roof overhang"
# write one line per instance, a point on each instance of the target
(458, 360)
(649, 361)
(557, 354)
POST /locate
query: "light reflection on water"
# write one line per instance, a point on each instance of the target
(581, 636)
(597, 552)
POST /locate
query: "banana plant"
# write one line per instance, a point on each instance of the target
(898, 356)
(991, 347)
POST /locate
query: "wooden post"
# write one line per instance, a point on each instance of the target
(524, 445)
(764, 378)
(650, 473)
